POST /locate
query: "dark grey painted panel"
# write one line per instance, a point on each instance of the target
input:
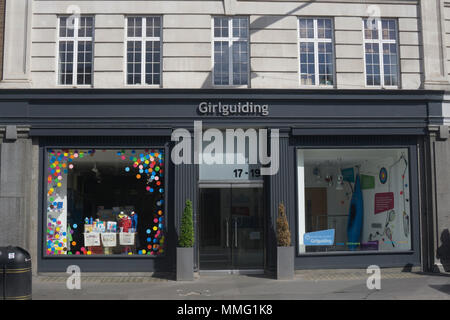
(358, 131)
(183, 94)
(178, 108)
(94, 264)
(185, 188)
(356, 261)
(13, 109)
(155, 132)
(281, 189)
(182, 109)
(164, 109)
(435, 112)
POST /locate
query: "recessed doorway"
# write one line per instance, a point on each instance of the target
(231, 228)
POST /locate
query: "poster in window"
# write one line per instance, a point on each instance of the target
(92, 239)
(126, 238)
(109, 239)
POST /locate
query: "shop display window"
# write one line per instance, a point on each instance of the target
(353, 200)
(105, 202)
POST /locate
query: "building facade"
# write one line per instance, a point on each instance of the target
(114, 113)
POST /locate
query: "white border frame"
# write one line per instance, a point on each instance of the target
(380, 41)
(301, 214)
(75, 40)
(230, 39)
(316, 41)
(143, 39)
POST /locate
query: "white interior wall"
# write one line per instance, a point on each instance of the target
(338, 200)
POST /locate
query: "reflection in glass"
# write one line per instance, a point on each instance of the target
(368, 210)
(104, 202)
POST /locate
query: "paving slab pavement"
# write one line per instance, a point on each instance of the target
(329, 285)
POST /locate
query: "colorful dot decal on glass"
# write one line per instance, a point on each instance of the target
(145, 165)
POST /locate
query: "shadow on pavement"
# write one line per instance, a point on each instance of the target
(445, 288)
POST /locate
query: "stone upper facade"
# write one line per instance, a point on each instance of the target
(31, 41)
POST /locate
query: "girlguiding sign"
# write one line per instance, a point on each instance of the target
(319, 238)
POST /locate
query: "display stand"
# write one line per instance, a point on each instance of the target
(124, 244)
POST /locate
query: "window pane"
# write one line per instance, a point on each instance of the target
(240, 63)
(86, 26)
(372, 64)
(310, 69)
(389, 29)
(306, 28)
(153, 26)
(84, 62)
(325, 63)
(82, 28)
(240, 27)
(105, 202)
(377, 79)
(307, 63)
(324, 30)
(371, 28)
(346, 208)
(82, 71)
(221, 63)
(152, 61)
(65, 68)
(220, 27)
(63, 27)
(231, 52)
(134, 27)
(134, 62)
(390, 64)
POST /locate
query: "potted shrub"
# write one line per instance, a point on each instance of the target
(185, 249)
(285, 252)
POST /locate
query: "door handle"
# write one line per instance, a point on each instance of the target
(235, 234)
(227, 233)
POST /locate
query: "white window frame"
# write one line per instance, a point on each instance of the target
(75, 40)
(316, 40)
(230, 39)
(380, 41)
(143, 40)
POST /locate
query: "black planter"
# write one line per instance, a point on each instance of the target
(185, 264)
(285, 263)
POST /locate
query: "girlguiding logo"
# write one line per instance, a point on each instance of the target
(319, 238)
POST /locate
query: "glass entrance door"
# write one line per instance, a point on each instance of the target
(231, 228)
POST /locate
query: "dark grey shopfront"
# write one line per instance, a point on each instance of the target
(306, 120)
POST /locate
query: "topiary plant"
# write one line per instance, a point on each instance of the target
(283, 232)
(187, 227)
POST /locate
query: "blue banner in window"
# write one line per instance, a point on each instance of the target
(319, 238)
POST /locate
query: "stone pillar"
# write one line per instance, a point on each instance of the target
(18, 190)
(433, 43)
(17, 41)
(14, 162)
(2, 33)
(440, 145)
